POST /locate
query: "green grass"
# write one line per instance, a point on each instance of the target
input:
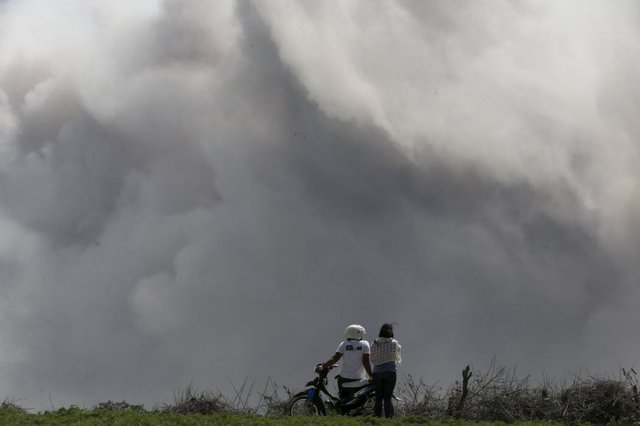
(76, 416)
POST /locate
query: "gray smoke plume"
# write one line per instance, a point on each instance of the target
(204, 191)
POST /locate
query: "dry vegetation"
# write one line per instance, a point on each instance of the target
(500, 395)
(271, 400)
(496, 394)
(11, 405)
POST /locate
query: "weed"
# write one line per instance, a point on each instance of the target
(419, 399)
(193, 402)
(117, 406)
(11, 405)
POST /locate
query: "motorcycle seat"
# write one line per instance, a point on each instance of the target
(356, 384)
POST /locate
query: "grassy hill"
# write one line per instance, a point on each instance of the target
(496, 396)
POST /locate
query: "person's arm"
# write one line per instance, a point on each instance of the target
(367, 364)
(330, 362)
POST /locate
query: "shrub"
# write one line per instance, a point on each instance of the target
(598, 400)
(193, 402)
(419, 399)
(10, 405)
(271, 401)
(117, 406)
(499, 395)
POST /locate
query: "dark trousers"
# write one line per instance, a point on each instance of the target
(384, 383)
(345, 392)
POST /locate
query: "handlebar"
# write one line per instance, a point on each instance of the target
(330, 367)
(321, 371)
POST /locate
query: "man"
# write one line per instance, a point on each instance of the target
(355, 354)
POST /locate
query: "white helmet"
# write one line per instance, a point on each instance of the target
(355, 332)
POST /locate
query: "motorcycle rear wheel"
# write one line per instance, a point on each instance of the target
(367, 408)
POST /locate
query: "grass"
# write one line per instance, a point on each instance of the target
(77, 416)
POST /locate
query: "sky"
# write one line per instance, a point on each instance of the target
(206, 192)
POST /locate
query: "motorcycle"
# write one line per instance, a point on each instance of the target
(316, 399)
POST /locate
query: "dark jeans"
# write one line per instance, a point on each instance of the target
(384, 383)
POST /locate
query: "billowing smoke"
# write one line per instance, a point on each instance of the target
(202, 191)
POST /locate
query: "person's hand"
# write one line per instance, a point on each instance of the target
(320, 368)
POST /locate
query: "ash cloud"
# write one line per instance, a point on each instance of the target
(202, 191)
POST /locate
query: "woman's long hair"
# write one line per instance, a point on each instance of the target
(386, 330)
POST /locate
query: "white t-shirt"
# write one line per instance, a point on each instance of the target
(352, 351)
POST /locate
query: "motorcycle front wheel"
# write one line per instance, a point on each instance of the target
(301, 406)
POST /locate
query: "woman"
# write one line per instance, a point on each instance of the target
(385, 357)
